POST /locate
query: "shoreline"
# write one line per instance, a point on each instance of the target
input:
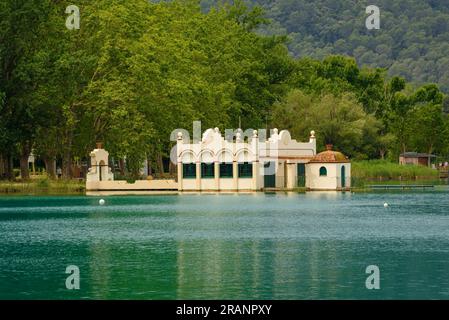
(43, 187)
(77, 187)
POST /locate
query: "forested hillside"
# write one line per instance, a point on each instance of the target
(413, 40)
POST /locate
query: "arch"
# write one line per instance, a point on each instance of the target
(206, 156)
(225, 156)
(101, 170)
(244, 155)
(208, 132)
(323, 171)
(208, 136)
(285, 137)
(188, 156)
(343, 176)
(93, 159)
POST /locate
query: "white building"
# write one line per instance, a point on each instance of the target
(240, 163)
(216, 164)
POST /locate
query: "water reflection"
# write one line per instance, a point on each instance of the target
(233, 246)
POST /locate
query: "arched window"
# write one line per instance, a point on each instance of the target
(323, 172)
(245, 165)
(226, 167)
(207, 165)
(188, 165)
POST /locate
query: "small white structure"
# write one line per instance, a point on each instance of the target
(328, 170)
(101, 178)
(99, 170)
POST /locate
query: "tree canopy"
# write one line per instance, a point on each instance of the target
(136, 70)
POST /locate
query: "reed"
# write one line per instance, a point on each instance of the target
(42, 186)
(385, 170)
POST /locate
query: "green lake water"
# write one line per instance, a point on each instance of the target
(227, 246)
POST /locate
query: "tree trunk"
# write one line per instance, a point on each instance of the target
(172, 168)
(9, 169)
(50, 167)
(160, 164)
(2, 167)
(24, 155)
(6, 171)
(121, 164)
(67, 157)
(67, 165)
(150, 169)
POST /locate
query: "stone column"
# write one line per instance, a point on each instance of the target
(198, 176)
(291, 175)
(217, 175)
(255, 174)
(180, 174)
(235, 175)
(255, 150)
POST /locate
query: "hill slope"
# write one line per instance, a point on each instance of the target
(413, 40)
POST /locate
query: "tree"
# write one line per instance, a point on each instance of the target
(399, 119)
(340, 121)
(23, 57)
(428, 123)
(428, 128)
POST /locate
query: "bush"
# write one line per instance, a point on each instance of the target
(43, 183)
(16, 173)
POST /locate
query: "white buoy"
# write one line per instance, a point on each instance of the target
(101, 202)
(385, 205)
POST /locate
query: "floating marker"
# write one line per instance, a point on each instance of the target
(101, 202)
(385, 205)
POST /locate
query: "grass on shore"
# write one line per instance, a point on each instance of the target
(42, 186)
(382, 170)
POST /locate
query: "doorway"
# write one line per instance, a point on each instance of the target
(301, 175)
(269, 174)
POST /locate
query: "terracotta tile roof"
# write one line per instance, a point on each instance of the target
(329, 156)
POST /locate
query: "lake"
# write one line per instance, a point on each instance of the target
(228, 246)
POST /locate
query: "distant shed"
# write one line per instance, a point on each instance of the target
(415, 158)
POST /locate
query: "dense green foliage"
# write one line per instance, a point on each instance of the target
(133, 72)
(413, 40)
(381, 169)
(137, 70)
(361, 111)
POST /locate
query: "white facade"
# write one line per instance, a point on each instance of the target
(99, 170)
(101, 178)
(334, 179)
(245, 162)
(277, 157)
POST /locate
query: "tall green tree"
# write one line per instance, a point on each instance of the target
(25, 26)
(337, 120)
